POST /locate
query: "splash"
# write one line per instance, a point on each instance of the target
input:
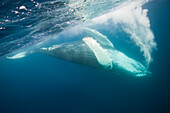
(134, 21)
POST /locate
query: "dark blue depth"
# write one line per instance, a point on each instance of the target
(43, 84)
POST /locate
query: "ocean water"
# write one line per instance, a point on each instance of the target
(39, 83)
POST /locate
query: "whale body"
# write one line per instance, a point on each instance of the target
(91, 53)
(97, 52)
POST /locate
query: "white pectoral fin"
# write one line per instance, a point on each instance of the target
(17, 56)
(98, 36)
(100, 53)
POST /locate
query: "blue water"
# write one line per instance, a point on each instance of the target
(43, 84)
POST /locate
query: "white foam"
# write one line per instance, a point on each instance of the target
(135, 22)
(23, 7)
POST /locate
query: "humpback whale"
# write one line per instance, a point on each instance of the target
(96, 51)
(91, 53)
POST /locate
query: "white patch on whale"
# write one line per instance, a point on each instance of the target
(99, 52)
